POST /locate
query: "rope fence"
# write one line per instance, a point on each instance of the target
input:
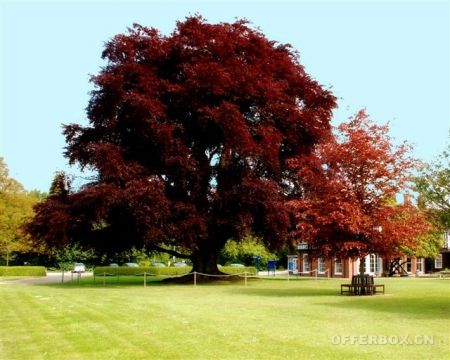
(326, 273)
(195, 274)
(244, 275)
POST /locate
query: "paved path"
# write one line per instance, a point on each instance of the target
(51, 278)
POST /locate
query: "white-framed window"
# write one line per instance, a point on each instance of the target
(306, 264)
(447, 239)
(338, 266)
(438, 262)
(372, 263)
(419, 265)
(321, 266)
(408, 265)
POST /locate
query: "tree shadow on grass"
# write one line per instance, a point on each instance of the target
(418, 307)
(422, 306)
(284, 293)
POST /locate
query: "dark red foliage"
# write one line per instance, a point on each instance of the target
(190, 135)
(351, 182)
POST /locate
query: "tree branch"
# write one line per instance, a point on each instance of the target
(170, 252)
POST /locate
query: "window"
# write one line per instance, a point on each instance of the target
(408, 265)
(438, 262)
(321, 266)
(419, 266)
(374, 264)
(447, 239)
(306, 265)
(338, 266)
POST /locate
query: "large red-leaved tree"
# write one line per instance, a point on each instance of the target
(349, 206)
(190, 136)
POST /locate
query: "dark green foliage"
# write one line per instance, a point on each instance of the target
(67, 256)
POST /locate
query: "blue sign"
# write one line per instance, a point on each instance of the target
(271, 266)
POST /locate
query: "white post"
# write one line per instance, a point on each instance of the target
(195, 278)
(145, 279)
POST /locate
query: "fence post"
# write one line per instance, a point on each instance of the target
(195, 278)
(145, 279)
(245, 277)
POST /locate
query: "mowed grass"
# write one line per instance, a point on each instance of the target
(267, 319)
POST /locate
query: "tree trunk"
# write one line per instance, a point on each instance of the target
(362, 265)
(205, 261)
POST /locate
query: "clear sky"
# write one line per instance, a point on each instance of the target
(391, 57)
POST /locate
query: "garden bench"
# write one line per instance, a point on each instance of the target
(362, 285)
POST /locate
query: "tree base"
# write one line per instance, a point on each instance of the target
(195, 278)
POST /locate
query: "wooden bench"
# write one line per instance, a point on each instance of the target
(362, 285)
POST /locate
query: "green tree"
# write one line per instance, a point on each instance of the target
(68, 255)
(16, 206)
(245, 250)
(433, 186)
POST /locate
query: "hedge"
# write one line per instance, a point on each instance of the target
(114, 271)
(22, 271)
(169, 271)
(238, 270)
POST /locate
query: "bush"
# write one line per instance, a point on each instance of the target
(168, 271)
(130, 271)
(445, 273)
(22, 271)
(251, 270)
(244, 252)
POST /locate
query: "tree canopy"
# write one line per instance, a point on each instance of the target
(349, 207)
(433, 186)
(192, 137)
(16, 207)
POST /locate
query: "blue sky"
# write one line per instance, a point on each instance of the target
(391, 57)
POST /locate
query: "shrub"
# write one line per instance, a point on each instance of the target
(251, 270)
(124, 271)
(244, 252)
(22, 271)
(168, 271)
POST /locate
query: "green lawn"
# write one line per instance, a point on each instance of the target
(268, 319)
